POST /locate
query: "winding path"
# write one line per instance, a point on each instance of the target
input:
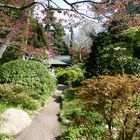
(45, 126)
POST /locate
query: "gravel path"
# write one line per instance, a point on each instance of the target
(46, 125)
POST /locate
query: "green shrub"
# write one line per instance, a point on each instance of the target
(31, 74)
(5, 137)
(2, 107)
(10, 54)
(70, 75)
(132, 66)
(77, 122)
(17, 95)
(87, 125)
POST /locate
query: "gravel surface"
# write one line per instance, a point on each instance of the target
(45, 126)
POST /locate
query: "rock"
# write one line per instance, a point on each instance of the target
(14, 121)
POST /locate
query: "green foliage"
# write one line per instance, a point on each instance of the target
(132, 66)
(31, 74)
(5, 137)
(117, 59)
(114, 55)
(17, 96)
(69, 76)
(132, 38)
(10, 54)
(2, 107)
(88, 125)
(99, 42)
(39, 40)
(58, 33)
(77, 122)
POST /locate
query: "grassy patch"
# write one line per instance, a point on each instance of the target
(6, 137)
(3, 107)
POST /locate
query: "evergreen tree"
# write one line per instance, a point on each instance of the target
(99, 42)
(39, 40)
(58, 33)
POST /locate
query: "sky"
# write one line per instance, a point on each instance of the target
(62, 4)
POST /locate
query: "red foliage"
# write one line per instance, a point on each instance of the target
(17, 28)
(125, 12)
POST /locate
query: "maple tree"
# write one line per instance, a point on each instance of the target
(120, 14)
(16, 27)
(15, 13)
(117, 99)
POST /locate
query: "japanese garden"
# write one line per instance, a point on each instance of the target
(69, 70)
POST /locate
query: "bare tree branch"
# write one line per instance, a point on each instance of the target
(86, 1)
(58, 8)
(16, 7)
(33, 3)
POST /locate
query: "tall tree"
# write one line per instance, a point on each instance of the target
(99, 42)
(58, 45)
(104, 9)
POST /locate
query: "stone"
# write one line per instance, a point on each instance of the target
(14, 121)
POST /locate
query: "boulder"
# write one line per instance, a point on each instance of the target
(14, 121)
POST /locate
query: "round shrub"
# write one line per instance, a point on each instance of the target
(18, 95)
(69, 76)
(31, 74)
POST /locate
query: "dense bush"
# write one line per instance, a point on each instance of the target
(117, 98)
(117, 59)
(114, 54)
(86, 125)
(10, 54)
(30, 74)
(69, 76)
(5, 137)
(132, 38)
(17, 95)
(132, 66)
(79, 123)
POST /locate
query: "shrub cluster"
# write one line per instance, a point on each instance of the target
(30, 74)
(117, 99)
(4, 136)
(79, 123)
(18, 95)
(69, 76)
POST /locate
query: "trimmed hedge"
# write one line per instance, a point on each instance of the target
(33, 75)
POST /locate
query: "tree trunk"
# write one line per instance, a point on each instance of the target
(3, 46)
(72, 35)
(2, 49)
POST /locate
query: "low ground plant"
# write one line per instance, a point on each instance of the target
(79, 123)
(17, 96)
